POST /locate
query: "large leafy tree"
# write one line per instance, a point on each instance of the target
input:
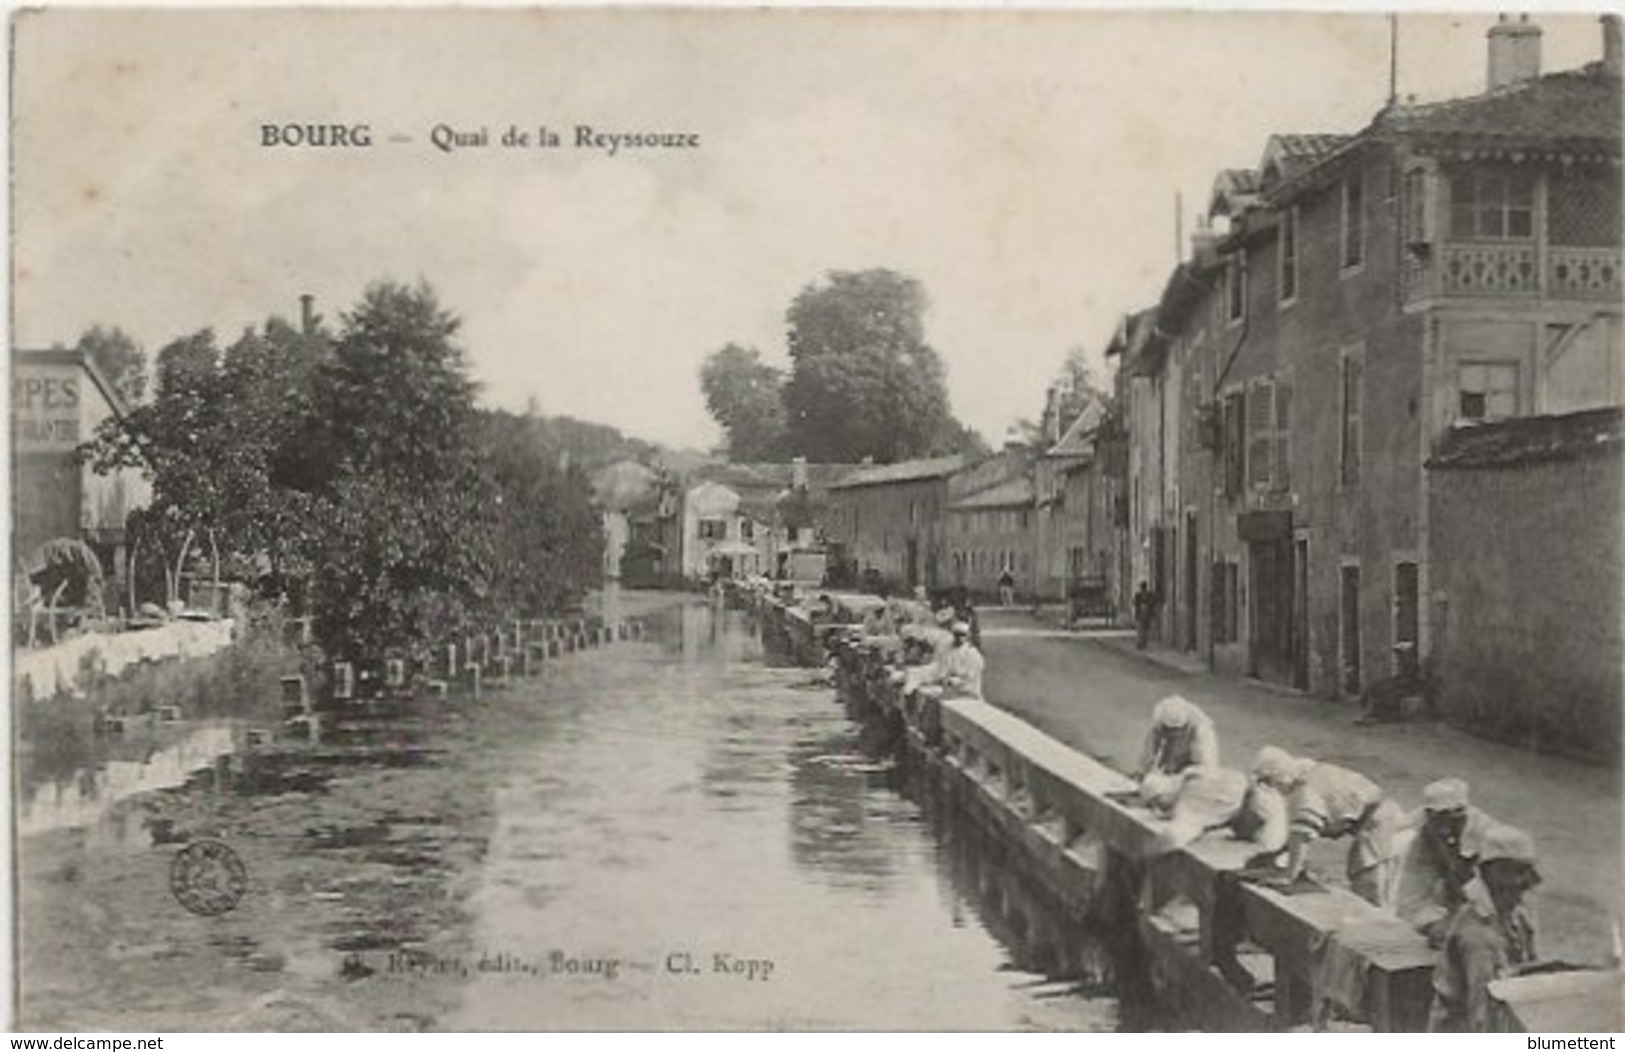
(744, 395)
(358, 461)
(405, 553)
(863, 381)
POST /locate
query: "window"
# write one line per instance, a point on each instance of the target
(1492, 206)
(713, 530)
(1269, 414)
(1235, 436)
(1235, 287)
(1353, 398)
(1488, 390)
(1287, 251)
(747, 529)
(1354, 221)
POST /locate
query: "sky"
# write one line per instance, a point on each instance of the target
(1023, 166)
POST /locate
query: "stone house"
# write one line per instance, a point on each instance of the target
(1354, 300)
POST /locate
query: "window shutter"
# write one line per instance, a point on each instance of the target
(1282, 478)
(1421, 203)
(1260, 434)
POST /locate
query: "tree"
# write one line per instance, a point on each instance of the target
(745, 396)
(119, 358)
(182, 439)
(548, 543)
(863, 381)
(404, 556)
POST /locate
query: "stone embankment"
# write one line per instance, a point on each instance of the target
(1217, 951)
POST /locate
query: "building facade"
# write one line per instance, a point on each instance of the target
(1355, 300)
(888, 522)
(58, 399)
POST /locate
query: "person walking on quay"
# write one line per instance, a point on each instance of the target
(1007, 589)
(1324, 800)
(1437, 858)
(1491, 934)
(1145, 611)
(1181, 737)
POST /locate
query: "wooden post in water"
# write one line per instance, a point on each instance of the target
(474, 679)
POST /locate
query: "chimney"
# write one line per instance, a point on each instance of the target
(1514, 51)
(1610, 44)
(307, 314)
(1051, 424)
(1204, 243)
(798, 473)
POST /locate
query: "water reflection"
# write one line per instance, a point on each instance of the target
(686, 801)
(86, 797)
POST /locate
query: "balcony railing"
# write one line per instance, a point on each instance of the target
(1517, 270)
(1583, 273)
(1490, 270)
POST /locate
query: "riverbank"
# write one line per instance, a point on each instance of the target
(368, 840)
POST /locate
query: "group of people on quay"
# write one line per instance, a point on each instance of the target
(1452, 872)
(1448, 869)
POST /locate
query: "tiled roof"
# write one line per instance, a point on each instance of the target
(1531, 439)
(771, 474)
(902, 471)
(1287, 155)
(1234, 189)
(1010, 493)
(1574, 105)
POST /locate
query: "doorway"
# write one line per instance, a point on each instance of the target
(1349, 617)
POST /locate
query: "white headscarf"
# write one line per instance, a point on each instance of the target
(1174, 711)
(1277, 767)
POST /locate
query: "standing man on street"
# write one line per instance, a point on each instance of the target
(1145, 611)
(1007, 589)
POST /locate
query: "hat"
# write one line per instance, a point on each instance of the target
(960, 628)
(1173, 711)
(1278, 767)
(1506, 842)
(1446, 794)
(945, 615)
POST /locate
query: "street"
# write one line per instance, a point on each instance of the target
(1096, 694)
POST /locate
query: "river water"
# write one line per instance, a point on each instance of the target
(697, 843)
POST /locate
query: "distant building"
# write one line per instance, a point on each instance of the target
(752, 518)
(888, 522)
(992, 521)
(619, 489)
(58, 399)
